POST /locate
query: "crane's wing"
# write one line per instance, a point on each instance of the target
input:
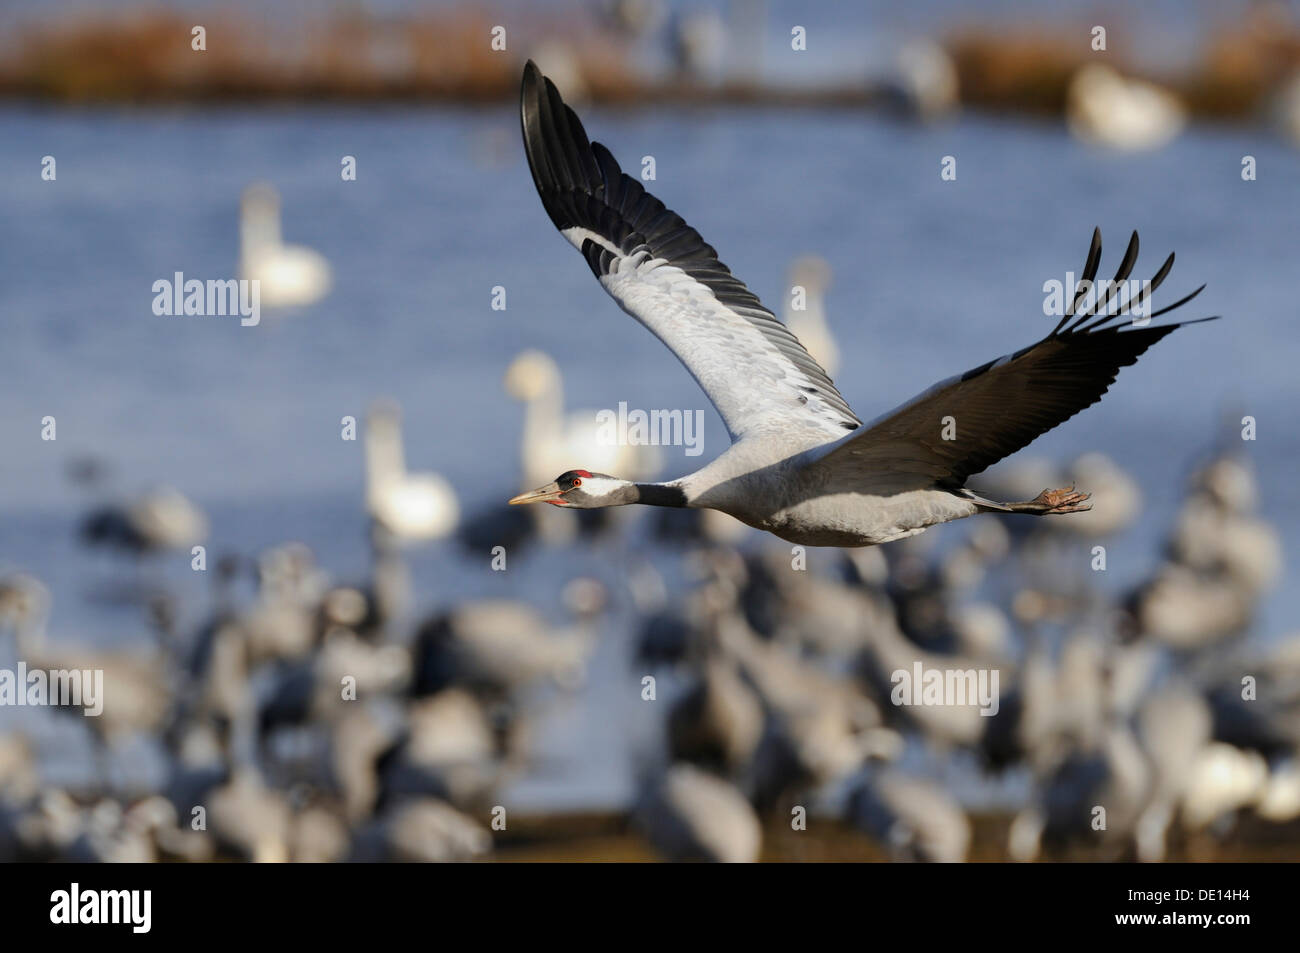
(1002, 406)
(662, 272)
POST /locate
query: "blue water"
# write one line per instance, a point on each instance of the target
(930, 278)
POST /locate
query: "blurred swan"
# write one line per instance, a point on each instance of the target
(692, 815)
(448, 749)
(1222, 561)
(1217, 533)
(983, 631)
(250, 819)
(914, 818)
(699, 40)
(136, 686)
(1106, 109)
(19, 773)
(495, 647)
(633, 18)
(718, 722)
(1221, 780)
(1116, 497)
(1229, 482)
(551, 439)
(424, 830)
(1113, 774)
(924, 84)
(1244, 552)
(155, 819)
(809, 325)
(887, 650)
(1280, 801)
(1174, 726)
(1284, 109)
(820, 727)
(290, 275)
(160, 519)
(408, 506)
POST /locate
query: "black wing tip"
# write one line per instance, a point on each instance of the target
(1089, 322)
(531, 88)
(530, 97)
(536, 83)
(555, 144)
(1094, 250)
(536, 88)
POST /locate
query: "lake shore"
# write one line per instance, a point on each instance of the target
(611, 837)
(450, 56)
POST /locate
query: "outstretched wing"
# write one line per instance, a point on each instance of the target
(1002, 406)
(662, 272)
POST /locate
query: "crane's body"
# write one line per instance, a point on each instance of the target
(793, 498)
(802, 465)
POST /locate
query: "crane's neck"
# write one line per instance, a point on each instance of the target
(660, 494)
(599, 491)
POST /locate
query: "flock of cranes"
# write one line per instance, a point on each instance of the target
(302, 722)
(776, 697)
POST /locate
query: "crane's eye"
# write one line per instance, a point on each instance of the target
(577, 481)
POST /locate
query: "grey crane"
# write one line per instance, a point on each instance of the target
(802, 465)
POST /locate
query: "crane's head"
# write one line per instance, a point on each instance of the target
(582, 490)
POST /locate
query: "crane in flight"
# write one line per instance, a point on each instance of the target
(802, 465)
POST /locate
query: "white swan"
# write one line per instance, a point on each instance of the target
(924, 84)
(693, 815)
(808, 323)
(410, 506)
(1106, 109)
(551, 438)
(290, 276)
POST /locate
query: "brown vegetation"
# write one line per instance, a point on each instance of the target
(611, 837)
(445, 56)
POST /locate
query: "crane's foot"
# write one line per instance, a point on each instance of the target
(1054, 502)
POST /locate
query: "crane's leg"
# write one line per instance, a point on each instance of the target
(1052, 502)
(1047, 503)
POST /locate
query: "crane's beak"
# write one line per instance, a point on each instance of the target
(551, 493)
